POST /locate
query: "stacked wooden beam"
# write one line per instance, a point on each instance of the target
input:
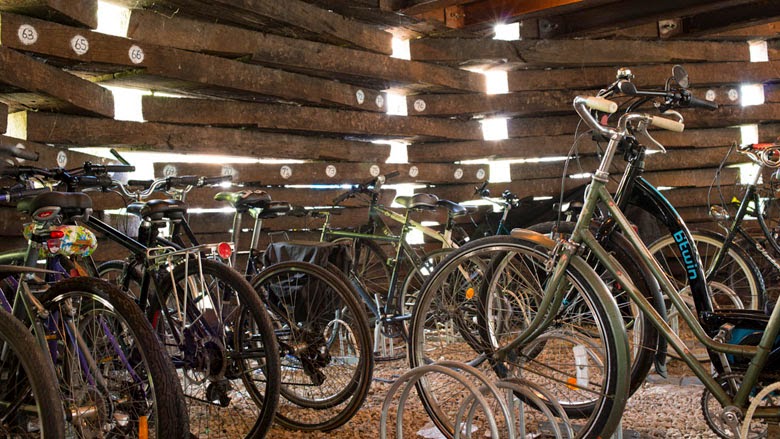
(309, 81)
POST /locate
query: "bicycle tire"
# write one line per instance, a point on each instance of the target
(225, 380)
(436, 311)
(738, 281)
(27, 379)
(93, 296)
(643, 337)
(118, 272)
(329, 320)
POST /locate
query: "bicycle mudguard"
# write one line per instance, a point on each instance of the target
(535, 237)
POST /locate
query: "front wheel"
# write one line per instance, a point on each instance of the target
(30, 406)
(466, 313)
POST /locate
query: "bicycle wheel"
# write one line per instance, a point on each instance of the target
(120, 273)
(30, 406)
(115, 378)
(221, 340)
(736, 284)
(324, 341)
(643, 336)
(465, 313)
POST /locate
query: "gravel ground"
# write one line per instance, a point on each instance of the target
(662, 408)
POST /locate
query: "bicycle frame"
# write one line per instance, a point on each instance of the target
(402, 251)
(582, 236)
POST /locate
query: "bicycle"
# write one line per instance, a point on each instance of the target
(208, 318)
(388, 286)
(326, 366)
(736, 275)
(114, 377)
(597, 374)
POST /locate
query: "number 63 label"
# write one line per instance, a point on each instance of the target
(27, 34)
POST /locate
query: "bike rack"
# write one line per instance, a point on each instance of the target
(478, 385)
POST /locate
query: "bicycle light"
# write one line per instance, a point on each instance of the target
(224, 250)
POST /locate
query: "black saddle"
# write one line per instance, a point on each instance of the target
(43, 206)
(155, 210)
(242, 201)
(419, 201)
(273, 209)
(454, 209)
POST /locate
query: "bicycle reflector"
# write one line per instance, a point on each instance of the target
(224, 250)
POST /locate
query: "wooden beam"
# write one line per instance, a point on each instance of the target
(85, 131)
(301, 15)
(512, 104)
(692, 177)
(702, 196)
(489, 12)
(331, 173)
(673, 160)
(731, 17)
(50, 156)
(273, 50)
(580, 78)
(293, 117)
(71, 12)
(25, 72)
(609, 16)
(556, 145)
(550, 53)
(417, 7)
(55, 40)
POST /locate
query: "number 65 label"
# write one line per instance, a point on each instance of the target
(79, 44)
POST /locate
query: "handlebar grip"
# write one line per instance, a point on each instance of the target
(392, 175)
(18, 195)
(216, 180)
(185, 180)
(601, 104)
(667, 124)
(120, 168)
(140, 183)
(18, 151)
(701, 103)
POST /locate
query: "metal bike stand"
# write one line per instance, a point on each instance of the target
(459, 372)
(745, 430)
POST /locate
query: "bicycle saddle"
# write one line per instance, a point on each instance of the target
(47, 204)
(272, 209)
(453, 208)
(418, 201)
(155, 210)
(245, 200)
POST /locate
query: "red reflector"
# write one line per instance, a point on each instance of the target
(224, 250)
(56, 234)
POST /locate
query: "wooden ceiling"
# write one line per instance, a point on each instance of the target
(307, 80)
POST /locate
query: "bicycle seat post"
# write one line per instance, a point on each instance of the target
(234, 236)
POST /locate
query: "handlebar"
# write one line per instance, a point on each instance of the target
(11, 196)
(17, 151)
(369, 187)
(169, 183)
(765, 154)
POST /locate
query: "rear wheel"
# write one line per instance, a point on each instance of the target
(324, 341)
(222, 342)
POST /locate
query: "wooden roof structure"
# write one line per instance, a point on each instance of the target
(309, 80)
